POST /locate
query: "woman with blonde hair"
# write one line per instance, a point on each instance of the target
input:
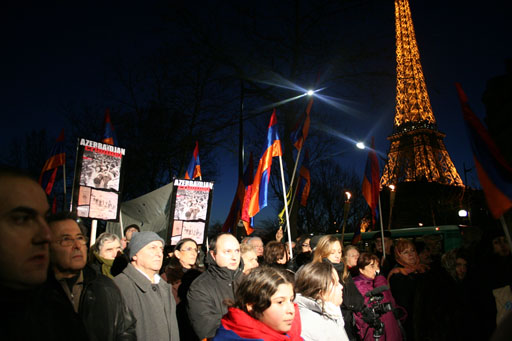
(329, 249)
(350, 256)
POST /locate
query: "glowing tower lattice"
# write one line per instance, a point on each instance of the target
(417, 151)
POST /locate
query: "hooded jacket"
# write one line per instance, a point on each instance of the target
(320, 323)
(238, 325)
(208, 295)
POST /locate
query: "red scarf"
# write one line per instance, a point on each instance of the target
(248, 327)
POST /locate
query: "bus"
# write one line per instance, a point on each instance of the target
(450, 235)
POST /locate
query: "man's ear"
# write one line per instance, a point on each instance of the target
(212, 253)
(248, 306)
(134, 258)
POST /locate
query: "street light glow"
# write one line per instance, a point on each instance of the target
(310, 92)
(348, 194)
(392, 188)
(463, 213)
(360, 145)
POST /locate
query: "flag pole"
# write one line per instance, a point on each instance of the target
(505, 229)
(382, 232)
(64, 190)
(121, 223)
(286, 208)
(295, 167)
(94, 226)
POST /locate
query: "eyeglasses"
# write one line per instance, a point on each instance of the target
(68, 241)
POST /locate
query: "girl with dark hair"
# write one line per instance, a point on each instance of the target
(183, 259)
(319, 296)
(367, 280)
(263, 309)
(328, 249)
(275, 254)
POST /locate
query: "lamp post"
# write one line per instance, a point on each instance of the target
(392, 194)
(346, 208)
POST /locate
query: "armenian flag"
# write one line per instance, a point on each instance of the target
(194, 167)
(258, 192)
(494, 174)
(57, 158)
(371, 183)
(109, 133)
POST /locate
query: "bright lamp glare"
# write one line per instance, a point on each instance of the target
(310, 92)
(348, 195)
(463, 213)
(360, 145)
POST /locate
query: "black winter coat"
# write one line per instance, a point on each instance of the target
(102, 309)
(208, 295)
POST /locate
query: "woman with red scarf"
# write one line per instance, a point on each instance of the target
(405, 281)
(263, 309)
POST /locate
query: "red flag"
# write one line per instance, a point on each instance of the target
(371, 185)
(494, 174)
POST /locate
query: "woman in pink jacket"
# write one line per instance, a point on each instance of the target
(367, 280)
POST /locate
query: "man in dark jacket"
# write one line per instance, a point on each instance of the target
(208, 292)
(148, 296)
(24, 259)
(76, 292)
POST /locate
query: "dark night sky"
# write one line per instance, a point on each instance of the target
(55, 55)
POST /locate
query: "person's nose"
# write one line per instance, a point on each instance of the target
(43, 233)
(290, 308)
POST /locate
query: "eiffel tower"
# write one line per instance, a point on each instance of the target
(418, 162)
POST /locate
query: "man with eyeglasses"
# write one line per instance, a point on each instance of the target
(75, 292)
(209, 292)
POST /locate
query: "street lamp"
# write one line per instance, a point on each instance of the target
(360, 145)
(310, 92)
(392, 194)
(463, 213)
(346, 208)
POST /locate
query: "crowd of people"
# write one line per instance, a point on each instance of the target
(53, 287)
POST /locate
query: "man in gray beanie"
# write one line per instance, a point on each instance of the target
(146, 294)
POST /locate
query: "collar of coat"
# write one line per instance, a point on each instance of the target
(223, 272)
(139, 279)
(328, 310)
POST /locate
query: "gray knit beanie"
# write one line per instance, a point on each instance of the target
(141, 239)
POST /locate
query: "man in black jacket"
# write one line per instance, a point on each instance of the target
(76, 292)
(208, 293)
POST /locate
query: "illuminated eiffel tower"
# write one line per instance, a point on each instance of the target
(417, 153)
